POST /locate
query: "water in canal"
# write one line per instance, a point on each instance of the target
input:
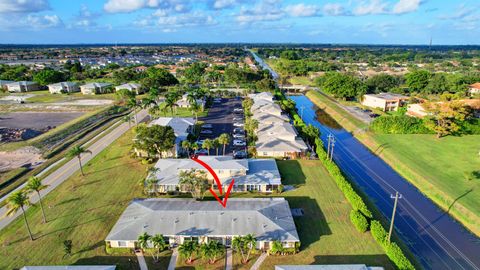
(437, 240)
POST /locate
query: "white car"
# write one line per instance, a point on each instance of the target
(207, 126)
(206, 131)
(238, 124)
(237, 119)
(200, 142)
(239, 143)
(238, 136)
(238, 110)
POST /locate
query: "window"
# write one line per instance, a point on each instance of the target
(122, 243)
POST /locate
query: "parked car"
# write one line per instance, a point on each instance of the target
(374, 115)
(206, 131)
(239, 154)
(207, 126)
(238, 110)
(201, 152)
(217, 100)
(239, 136)
(199, 142)
(238, 131)
(238, 124)
(239, 143)
(236, 119)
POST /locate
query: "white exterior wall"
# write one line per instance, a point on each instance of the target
(374, 102)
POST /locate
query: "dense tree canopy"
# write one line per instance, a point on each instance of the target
(158, 78)
(154, 140)
(382, 83)
(418, 80)
(48, 76)
(342, 85)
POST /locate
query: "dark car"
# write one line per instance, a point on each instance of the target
(239, 154)
(374, 115)
(238, 131)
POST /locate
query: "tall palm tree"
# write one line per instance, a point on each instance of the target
(187, 250)
(186, 145)
(195, 146)
(195, 108)
(250, 243)
(216, 145)
(133, 104)
(35, 185)
(195, 182)
(224, 139)
(143, 240)
(17, 201)
(128, 119)
(211, 251)
(77, 151)
(238, 245)
(159, 244)
(207, 144)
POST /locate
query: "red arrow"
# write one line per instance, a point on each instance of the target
(217, 181)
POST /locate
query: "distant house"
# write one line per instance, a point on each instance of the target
(385, 101)
(185, 103)
(474, 89)
(180, 220)
(328, 267)
(95, 88)
(140, 69)
(416, 110)
(63, 87)
(23, 86)
(262, 96)
(3, 84)
(260, 175)
(181, 127)
(132, 87)
(419, 111)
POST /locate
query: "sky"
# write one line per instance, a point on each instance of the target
(446, 22)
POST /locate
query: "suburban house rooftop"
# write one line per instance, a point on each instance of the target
(63, 84)
(327, 267)
(268, 219)
(180, 125)
(25, 83)
(96, 84)
(388, 96)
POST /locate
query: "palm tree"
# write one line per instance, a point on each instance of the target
(195, 108)
(245, 245)
(186, 145)
(18, 200)
(77, 151)
(238, 245)
(159, 244)
(207, 144)
(133, 104)
(143, 240)
(170, 102)
(250, 243)
(211, 251)
(195, 146)
(224, 139)
(195, 182)
(187, 250)
(216, 145)
(35, 185)
(128, 119)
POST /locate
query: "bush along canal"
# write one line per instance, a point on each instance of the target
(435, 238)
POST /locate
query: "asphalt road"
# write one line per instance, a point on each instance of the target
(59, 176)
(221, 115)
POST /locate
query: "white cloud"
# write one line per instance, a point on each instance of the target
(170, 23)
(45, 21)
(267, 10)
(221, 4)
(334, 9)
(302, 10)
(406, 6)
(125, 6)
(23, 6)
(370, 7)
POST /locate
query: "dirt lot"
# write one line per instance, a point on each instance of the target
(27, 156)
(36, 120)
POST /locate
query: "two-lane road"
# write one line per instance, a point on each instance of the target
(59, 176)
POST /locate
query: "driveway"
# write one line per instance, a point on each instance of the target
(220, 116)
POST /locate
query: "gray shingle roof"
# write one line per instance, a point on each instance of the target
(179, 125)
(267, 219)
(327, 267)
(260, 172)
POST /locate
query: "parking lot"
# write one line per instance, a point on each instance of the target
(221, 116)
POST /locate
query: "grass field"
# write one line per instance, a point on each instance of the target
(181, 112)
(438, 168)
(82, 209)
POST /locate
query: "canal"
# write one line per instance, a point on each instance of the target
(436, 239)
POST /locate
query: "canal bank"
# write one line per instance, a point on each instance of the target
(438, 241)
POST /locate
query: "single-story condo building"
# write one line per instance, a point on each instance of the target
(260, 175)
(63, 87)
(23, 86)
(95, 88)
(3, 84)
(181, 127)
(279, 140)
(385, 101)
(180, 220)
(132, 87)
(328, 267)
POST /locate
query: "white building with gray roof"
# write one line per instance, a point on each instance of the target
(23, 86)
(95, 88)
(178, 220)
(250, 175)
(132, 87)
(63, 87)
(182, 126)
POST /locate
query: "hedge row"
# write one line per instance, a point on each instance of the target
(393, 251)
(399, 125)
(361, 211)
(359, 221)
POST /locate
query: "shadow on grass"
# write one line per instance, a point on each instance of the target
(115, 203)
(368, 260)
(69, 227)
(123, 262)
(291, 173)
(313, 224)
(110, 168)
(67, 201)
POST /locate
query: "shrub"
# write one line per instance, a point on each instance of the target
(398, 124)
(378, 232)
(359, 221)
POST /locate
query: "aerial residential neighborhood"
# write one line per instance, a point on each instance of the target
(236, 135)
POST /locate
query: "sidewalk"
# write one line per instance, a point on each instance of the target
(173, 259)
(229, 259)
(259, 261)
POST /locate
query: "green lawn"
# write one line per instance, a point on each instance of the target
(326, 233)
(82, 209)
(180, 112)
(439, 167)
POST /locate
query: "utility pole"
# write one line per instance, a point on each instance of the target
(397, 196)
(301, 111)
(333, 146)
(330, 136)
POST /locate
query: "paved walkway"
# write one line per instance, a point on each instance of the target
(173, 259)
(259, 261)
(59, 176)
(229, 260)
(141, 261)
